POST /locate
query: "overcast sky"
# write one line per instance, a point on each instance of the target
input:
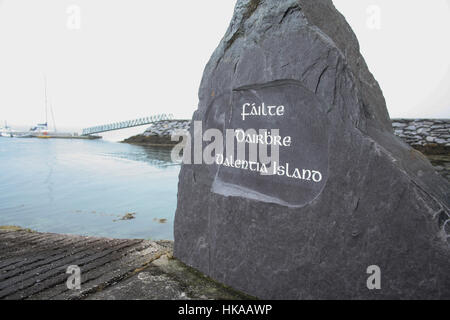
(125, 59)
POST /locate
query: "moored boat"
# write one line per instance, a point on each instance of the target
(6, 131)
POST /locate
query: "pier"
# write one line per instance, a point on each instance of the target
(126, 124)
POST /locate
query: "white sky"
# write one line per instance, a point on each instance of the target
(135, 58)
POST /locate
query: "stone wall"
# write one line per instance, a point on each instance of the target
(431, 137)
(424, 134)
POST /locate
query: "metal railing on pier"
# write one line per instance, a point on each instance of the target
(126, 124)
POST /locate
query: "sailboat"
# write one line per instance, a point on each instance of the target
(41, 129)
(7, 131)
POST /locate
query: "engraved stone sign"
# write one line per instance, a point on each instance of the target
(288, 119)
(312, 189)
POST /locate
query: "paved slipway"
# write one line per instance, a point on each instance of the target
(33, 266)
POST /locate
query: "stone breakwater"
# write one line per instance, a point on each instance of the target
(160, 133)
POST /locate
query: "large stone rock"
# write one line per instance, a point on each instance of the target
(379, 202)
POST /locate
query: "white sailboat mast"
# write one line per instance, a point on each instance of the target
(46, 101)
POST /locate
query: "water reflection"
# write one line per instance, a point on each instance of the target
(84, 187)
(159, 157)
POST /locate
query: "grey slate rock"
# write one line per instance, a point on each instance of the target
(381, 202)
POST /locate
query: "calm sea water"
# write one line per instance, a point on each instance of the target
(85, 187)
